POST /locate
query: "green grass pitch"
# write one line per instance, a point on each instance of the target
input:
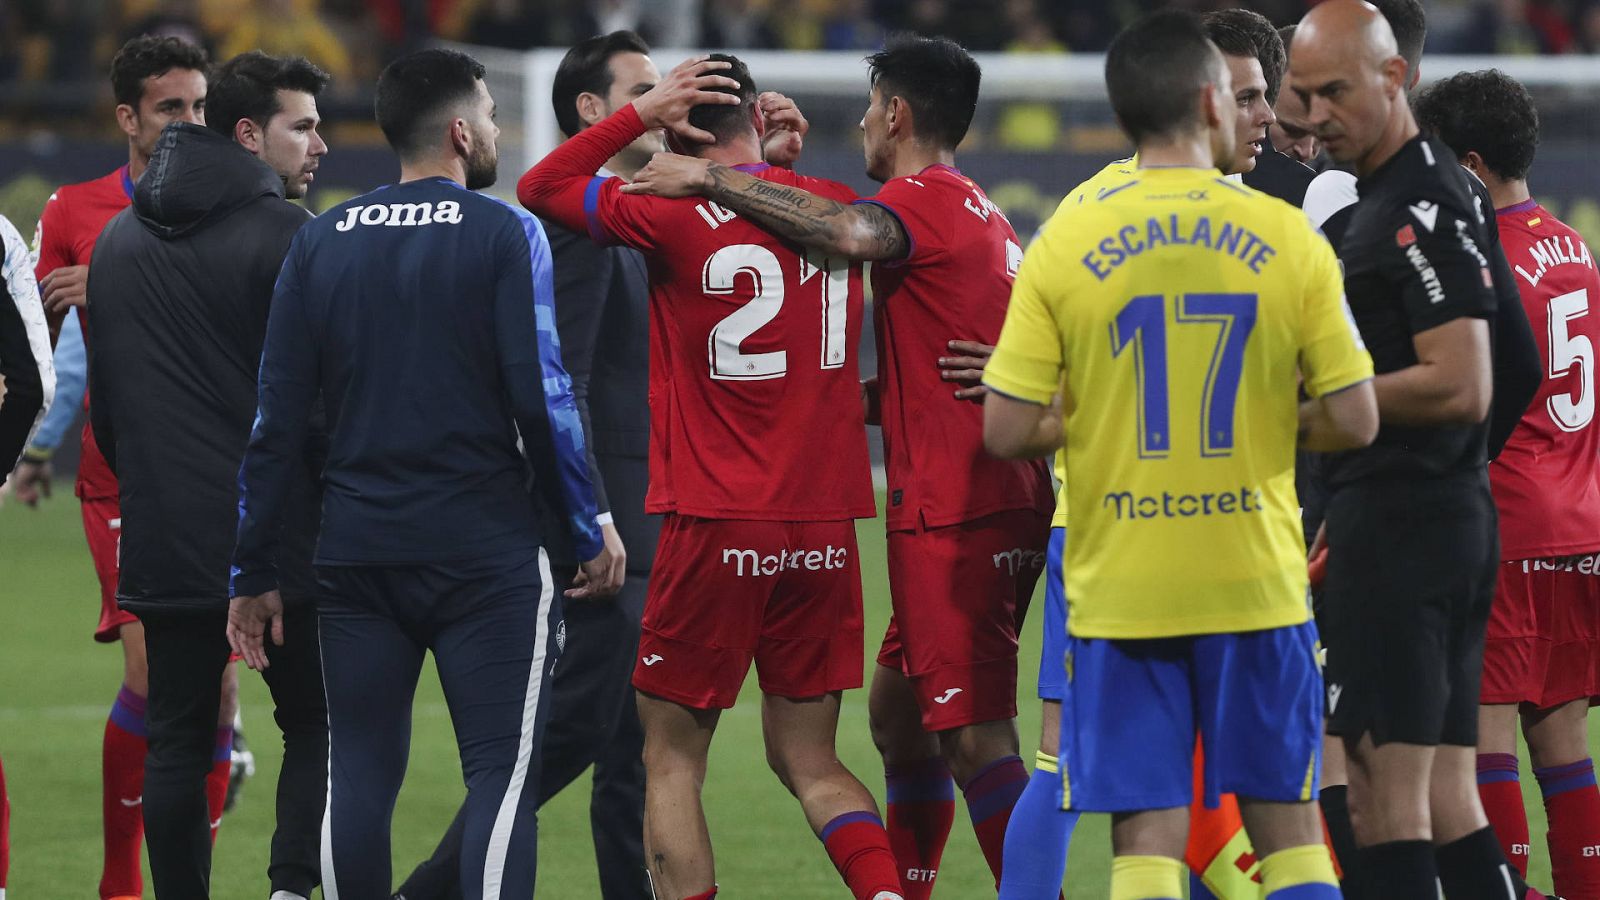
(56, 686)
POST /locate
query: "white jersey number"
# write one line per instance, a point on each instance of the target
(718, 277)
(1567, 350)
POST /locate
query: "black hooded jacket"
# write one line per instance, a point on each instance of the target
(179, 288)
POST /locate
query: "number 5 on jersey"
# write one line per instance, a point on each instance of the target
(719, 277)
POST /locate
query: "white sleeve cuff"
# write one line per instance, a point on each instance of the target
(603, 519)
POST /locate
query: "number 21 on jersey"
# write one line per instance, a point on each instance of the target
(761, 265)
(1140, 327)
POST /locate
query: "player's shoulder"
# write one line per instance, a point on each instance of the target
(934, 181)
(1329, 192)
(415, 204)
(823, 187)
(110, 187)
(1421, 181)
(1114, 174)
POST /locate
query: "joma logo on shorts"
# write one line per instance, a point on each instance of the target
(448, 212)
(1019, 559)
(827, 558)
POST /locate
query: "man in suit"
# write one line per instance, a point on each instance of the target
(601, 297)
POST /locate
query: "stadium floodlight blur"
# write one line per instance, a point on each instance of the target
(1043, 122)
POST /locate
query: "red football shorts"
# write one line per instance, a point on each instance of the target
(102, 526)
(1543, 644)
(724, 592)
(960, 593)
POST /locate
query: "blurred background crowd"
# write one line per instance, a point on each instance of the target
(56, 44)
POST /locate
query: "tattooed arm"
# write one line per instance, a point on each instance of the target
(861, 231)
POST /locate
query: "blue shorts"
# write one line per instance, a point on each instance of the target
(1052, 657)
(1132, 709)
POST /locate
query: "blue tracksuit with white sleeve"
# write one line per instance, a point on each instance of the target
(421, 314)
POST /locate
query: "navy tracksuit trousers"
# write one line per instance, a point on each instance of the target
(492, 625)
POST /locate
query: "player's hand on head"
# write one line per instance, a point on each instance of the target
(65, 288)
(670, 175)
(691, 83)
(965, 366)
(785, 129)
(250, 620)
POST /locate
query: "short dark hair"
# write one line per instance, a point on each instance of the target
(1154, 69)
(1286, 34)
(1242, 32)
(247, 86)
(1487, 111)
(149, 56)
(414, 89)
(1409, 22)
(727, 120)
(586, 69)
(936, 77)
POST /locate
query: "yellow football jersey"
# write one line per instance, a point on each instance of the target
(1174, 313)
(1117, 172)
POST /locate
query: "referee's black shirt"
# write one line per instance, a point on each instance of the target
(1414, 258)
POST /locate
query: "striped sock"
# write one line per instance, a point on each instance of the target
(991, 795)
(1146, 878)
(1037, 836)
(859, 848)
(217, 778)
(1299, 873)
(1500, 789)
(921, 808)
(1572, 804)
(122, 751)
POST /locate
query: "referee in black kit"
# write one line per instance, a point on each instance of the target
(422, 314)
(1411, 525)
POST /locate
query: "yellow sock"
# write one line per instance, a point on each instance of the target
(1146, 878)
(1044, 762)
(1297, 867)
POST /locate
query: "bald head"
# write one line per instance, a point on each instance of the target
(1352, 28)
(1345, 68)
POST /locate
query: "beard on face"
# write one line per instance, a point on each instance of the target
(482, 166)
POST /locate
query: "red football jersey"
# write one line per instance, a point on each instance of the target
(1546, 481)
(72, 220)
(755, 398)
(954, 285)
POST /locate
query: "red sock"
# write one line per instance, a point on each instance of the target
(859, 848)
(991, 795)
(1572, 804)
(1501, 793)
(5, 830)
(921, 807)
(122, 772)
(707, 895)
(217, 778)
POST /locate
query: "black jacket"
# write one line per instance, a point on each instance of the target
(602, 306)
(179, 287)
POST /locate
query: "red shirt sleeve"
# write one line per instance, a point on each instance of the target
(921, 213)
(51, 239)
(564, 188)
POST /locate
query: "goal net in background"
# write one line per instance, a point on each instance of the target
(1044, 123)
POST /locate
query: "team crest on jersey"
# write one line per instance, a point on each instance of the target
(1406, 236)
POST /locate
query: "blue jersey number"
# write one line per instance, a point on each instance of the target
(1142, 324)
